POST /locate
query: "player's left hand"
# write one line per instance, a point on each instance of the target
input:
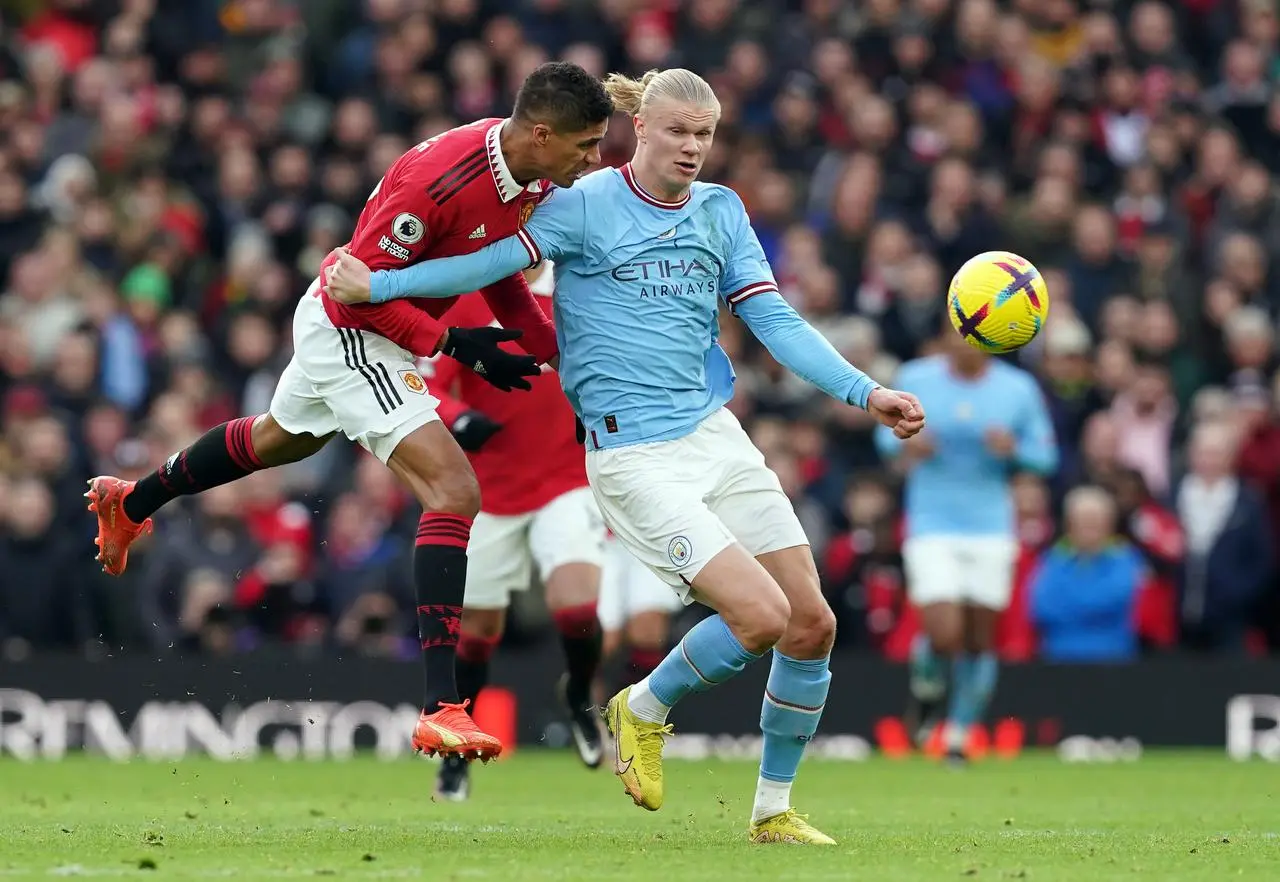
(472, 429)
(900, 411)
(348, 280)
(1000, 442)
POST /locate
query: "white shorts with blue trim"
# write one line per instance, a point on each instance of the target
(677, 504)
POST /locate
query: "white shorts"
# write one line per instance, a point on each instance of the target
(356, 382)
(677, 504)
(505, 549)
(975, 570)
(628, 588)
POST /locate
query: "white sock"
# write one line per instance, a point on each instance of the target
(954, 736)
(772, 798)
(644, 705)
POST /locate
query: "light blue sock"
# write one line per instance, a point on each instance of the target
(928, 670)
(973, 681)
(707, 656)
(793, 702)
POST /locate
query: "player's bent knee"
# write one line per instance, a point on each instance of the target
(648, 630)
(457, 494)
(274, 445)
(812, 634)
(436, 471)
(947, 641)
(762, 623)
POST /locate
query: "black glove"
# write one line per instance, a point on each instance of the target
(580, 430)
(472, 429)
(477, 349)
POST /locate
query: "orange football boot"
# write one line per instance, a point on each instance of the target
(451, 731)
(115, 531)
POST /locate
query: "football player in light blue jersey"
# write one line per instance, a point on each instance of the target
(987, 419)
(645, 256)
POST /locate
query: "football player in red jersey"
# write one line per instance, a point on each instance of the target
(353, 370)
(537, 515)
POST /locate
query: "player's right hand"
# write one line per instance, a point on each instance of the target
(479, 350)
(348, 279)
(900, 411)
(472, 429)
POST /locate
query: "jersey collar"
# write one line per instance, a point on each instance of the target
(508, 187)
(630, 177)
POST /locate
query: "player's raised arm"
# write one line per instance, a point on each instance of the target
(554, 230)
(751, 292)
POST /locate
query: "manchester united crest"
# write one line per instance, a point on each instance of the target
(526, 211)
(413, 382)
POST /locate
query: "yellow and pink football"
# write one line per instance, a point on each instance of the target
(998, 302)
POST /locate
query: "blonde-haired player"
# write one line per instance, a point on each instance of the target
(645, 256)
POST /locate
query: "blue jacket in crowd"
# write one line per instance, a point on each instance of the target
(1082, 604)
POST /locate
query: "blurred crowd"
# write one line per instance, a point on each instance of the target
(172, 173)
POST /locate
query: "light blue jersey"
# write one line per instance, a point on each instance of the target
(963, 489)
(638, 285)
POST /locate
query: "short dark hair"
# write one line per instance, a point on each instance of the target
(563, 96)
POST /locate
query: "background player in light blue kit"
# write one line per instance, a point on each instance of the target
(986, 420)
(644, 257)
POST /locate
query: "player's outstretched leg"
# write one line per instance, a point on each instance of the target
(223, 454)
(794, 698)
(434, 468)
(753, 615)
(637, 716)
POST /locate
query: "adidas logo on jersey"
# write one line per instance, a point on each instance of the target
(477, 233)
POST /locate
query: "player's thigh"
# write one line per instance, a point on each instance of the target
(749, 600)
(498, 560)
(297, 409)
(650, 498)
(935, 569)
(747, 496)
(566, 540)
(988, 563)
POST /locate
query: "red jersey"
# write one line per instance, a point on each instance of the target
(535, 456)
(452, 194)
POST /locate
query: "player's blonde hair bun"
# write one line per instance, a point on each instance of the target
(633, 96)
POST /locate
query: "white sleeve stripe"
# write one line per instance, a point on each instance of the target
(751, 291)
(535, 256)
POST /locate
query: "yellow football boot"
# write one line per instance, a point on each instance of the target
(788, 827)
(637, 746)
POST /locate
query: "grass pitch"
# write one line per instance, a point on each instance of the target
(540, 816)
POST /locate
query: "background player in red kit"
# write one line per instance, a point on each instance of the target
(353, 369)
(537, 514)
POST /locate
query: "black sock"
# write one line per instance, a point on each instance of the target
(439, 579)
(580, 638)
(473, 667)
(221, 455)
